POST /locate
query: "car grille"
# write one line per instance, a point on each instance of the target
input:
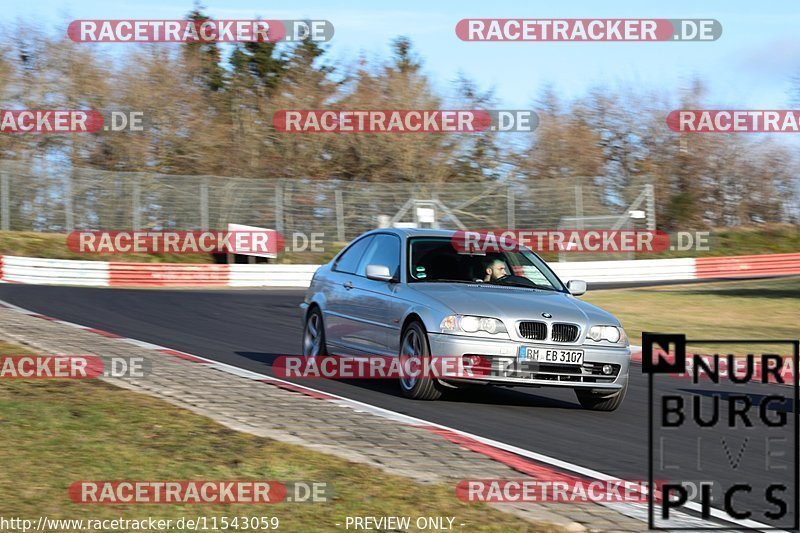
(565, 333)
(536, 331)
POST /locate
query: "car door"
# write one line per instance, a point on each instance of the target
(372, 298)
(342, 330)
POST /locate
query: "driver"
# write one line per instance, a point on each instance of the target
(495, 269)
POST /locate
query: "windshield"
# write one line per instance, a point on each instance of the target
(435, 259)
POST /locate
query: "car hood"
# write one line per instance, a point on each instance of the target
(505, 302)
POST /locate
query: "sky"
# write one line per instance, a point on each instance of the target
(753, 65)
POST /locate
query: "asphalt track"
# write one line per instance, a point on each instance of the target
(249, 328)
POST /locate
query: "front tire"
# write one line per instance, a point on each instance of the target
(414, 344)
(600, 401)
(314, 335)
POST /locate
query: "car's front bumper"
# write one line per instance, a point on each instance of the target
(507, 369)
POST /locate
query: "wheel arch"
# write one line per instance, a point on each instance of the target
(423, 315)
(412, 317)
(318, 302)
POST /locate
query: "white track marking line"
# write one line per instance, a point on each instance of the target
(141, 344)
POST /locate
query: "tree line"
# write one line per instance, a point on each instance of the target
(208, 111)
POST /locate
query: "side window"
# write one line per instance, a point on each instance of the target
(348, 262)
(384, 250)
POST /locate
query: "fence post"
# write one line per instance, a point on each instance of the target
(136, 205)
(204, 204)
(69, 215)
(279, 206)
(339, 215)
(5, 203)
(511, 206)
(579, 205)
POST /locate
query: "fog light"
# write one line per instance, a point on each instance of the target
(607, 369)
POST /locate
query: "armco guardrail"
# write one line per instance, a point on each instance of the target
(54, 271)
(747, 266)
(113, 274)
(167, 275)
(271, 275)
(640, 270)
(104, 274)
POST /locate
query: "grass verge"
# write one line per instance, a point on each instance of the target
(753, 309)
(58, 432)
(771, 239)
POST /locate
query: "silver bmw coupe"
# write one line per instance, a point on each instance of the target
(413, 293)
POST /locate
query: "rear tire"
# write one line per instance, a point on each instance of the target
(314, 335)
(414, 343)
(600, 401)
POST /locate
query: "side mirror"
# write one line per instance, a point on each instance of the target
(379, 273)
(576, 287)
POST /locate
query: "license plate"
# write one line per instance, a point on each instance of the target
(550, 355)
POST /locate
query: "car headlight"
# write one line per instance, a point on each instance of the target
(613, 334)
(471, 324)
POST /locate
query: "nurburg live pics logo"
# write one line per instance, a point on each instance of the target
(716, 417)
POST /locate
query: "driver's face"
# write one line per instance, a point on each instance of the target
(498, 270)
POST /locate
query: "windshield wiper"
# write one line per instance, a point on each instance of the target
(530, 285)
(445, 280)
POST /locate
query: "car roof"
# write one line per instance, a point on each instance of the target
(414, 232)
